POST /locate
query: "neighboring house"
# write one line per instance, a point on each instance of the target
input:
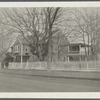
(76, 51)
(16, 50)
(68, 51)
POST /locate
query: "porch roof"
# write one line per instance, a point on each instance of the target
(82, 44)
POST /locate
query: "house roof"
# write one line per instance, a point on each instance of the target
(79, 41)
(82, 44)
(22, 40)
(63, 43)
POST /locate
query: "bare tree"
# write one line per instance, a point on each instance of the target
(52, 15)
(39, 23)
(5, 40)
(86, 26)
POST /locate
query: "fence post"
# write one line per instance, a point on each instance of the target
(87, 64)
(71, 66)
(40, 65)
(95, 64)
(26, 65)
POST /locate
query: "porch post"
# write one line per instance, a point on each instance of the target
(21, 55)
(80, 53)
(68, 58)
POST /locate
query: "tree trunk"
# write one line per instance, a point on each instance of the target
(49, 51)
(58, 54)
(88, 45)
(85, 48)
(58, 47)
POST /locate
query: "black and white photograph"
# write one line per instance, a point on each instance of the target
(49, 49)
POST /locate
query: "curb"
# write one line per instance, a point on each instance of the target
(50, 75)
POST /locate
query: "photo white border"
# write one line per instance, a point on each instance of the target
(50, 4)
(82, 95)
(60, 95)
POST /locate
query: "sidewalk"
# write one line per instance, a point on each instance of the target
(58, 74)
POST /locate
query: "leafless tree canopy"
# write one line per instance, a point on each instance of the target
(41, 24)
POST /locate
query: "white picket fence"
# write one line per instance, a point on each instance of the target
(88, 66)
(30, 65)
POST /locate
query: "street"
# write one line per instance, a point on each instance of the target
(25, 83)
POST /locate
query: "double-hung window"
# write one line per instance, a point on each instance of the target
(17, 48)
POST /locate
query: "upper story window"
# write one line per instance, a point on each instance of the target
(17, 48)
(74, 48)
(26, 49)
